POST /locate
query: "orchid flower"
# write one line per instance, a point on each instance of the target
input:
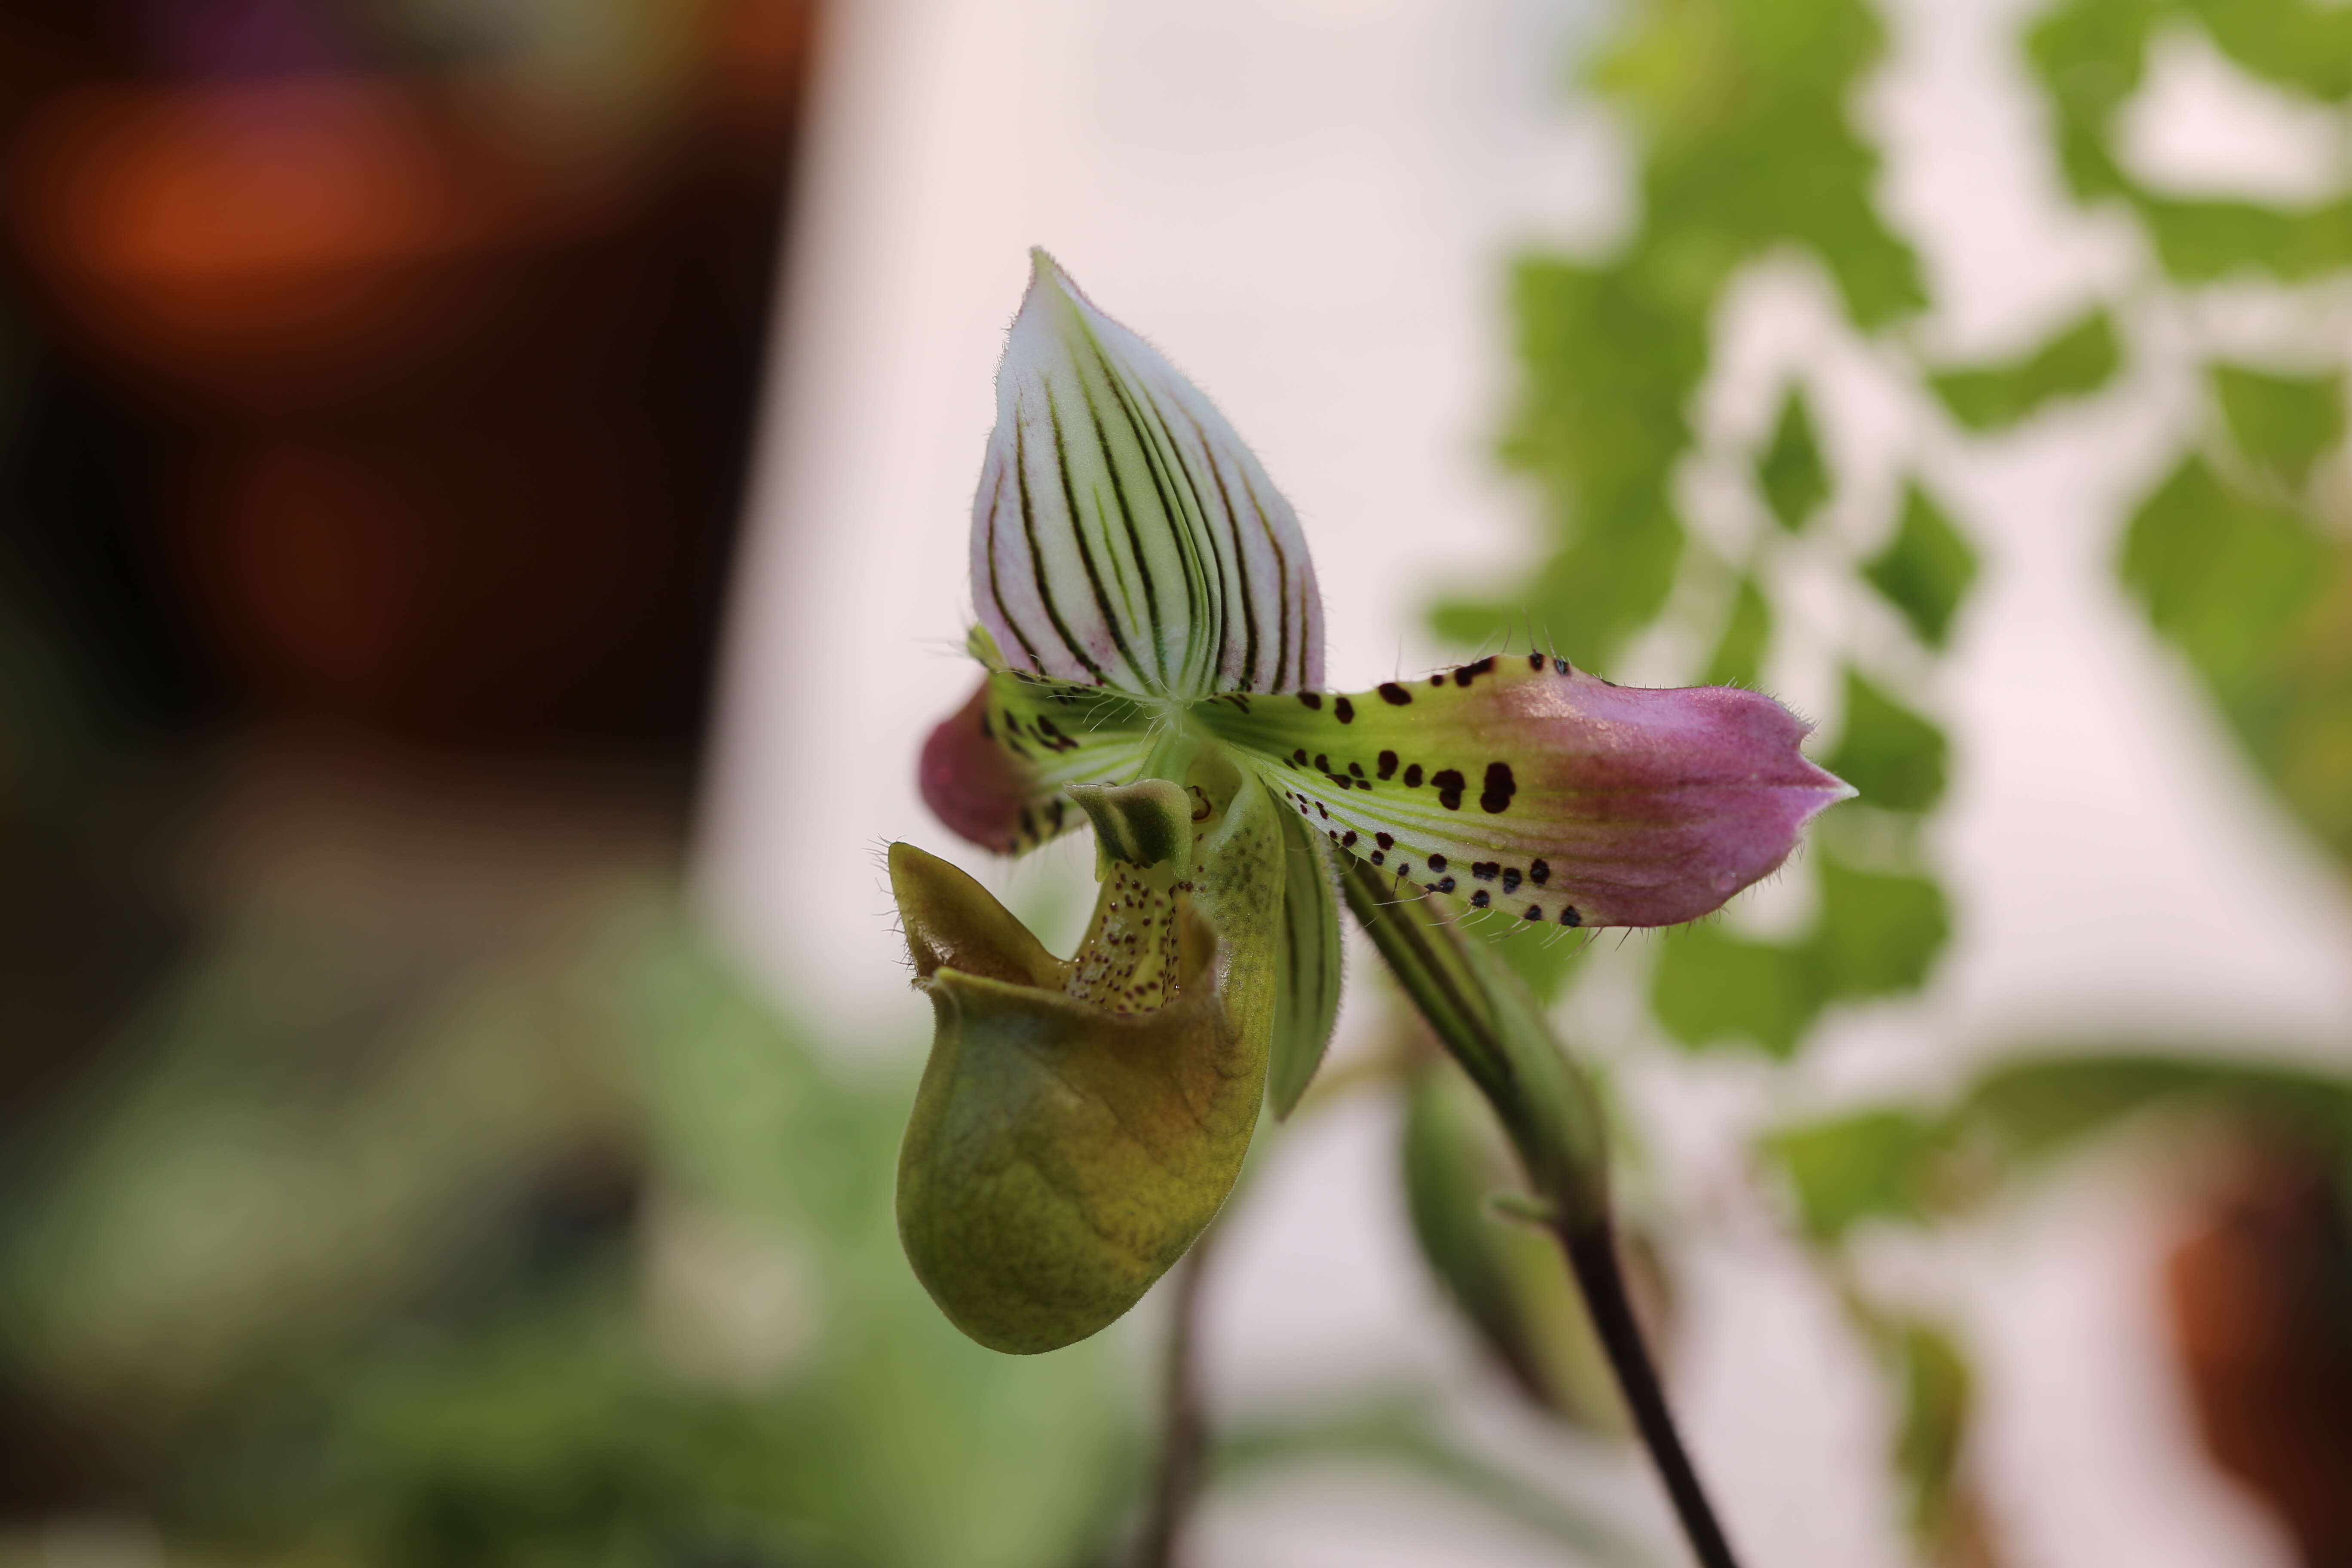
(1151, 638)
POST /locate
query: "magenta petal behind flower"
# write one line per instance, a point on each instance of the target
(974, 785)
(995, 770)
(1524, 787)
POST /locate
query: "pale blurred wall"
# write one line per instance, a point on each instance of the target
(1308, 205)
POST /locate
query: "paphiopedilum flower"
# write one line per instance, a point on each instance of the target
(1152, 642)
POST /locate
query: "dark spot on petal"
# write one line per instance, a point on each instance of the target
(1387, 761)
(1500, 787)
(1412, 776)
(1539, 873)
(1464, 674)
(1312, 698)
(1535, 912)
(1569, 917)
(1449, 787)
(1324, 809)
(1481, 899)
(1534, 661)
(1487, 871)
(1344, 711)
(1394, 695)
(1383, 840)
(1404, 867)
(1445, 886)
(1323, 762)
(1437, 679)
(1510, 878)
(1299, 756)
(1437, 862)
(1349, 841)
(1377, 857)
(1563, 666)
(1357, 769)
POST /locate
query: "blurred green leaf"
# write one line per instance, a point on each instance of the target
(1790, 472)
(1739, 658)
(2284, 423)
(2221, 574)
(1610, 356)
(2092, 58)
(2261, 604)
(1510, 1280)
(1877, 934)
(1711, 986)
(2298, 44)
(1744, 108)
(2079, 360)
(2033, 1108)
(1925, 569)
(2203, 242)
(1891, 754)
(1906, 1162)
(1872, 1164)
(1938, 1391)
(1879, 931)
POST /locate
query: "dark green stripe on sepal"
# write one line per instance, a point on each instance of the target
(1307, 969)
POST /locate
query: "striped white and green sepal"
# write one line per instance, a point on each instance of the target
(1122, 535)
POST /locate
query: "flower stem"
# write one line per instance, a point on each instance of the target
(1593, 1256)
(1184, 1424)
(1484, 1016)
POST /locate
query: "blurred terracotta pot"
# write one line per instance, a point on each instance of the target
(453, 427)
(2261, 1299)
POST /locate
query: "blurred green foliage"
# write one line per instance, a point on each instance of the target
(1792, 475)
(2080, 359)
(2282, 425)
(1904, 1164)
(2240, 559)
(2258, 598)
(1504, 1276)
(1891, 754)
(2092, 58)
(1739, 658)
(1926, 570)
(1740, 106)
(1937, 1391)
(582, 1258)
(1748, 152)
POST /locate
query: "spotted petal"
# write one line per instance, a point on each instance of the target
(1123, 535)
(1521, 785)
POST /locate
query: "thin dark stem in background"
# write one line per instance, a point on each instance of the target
(1593, 1256)
(1184, 1428)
